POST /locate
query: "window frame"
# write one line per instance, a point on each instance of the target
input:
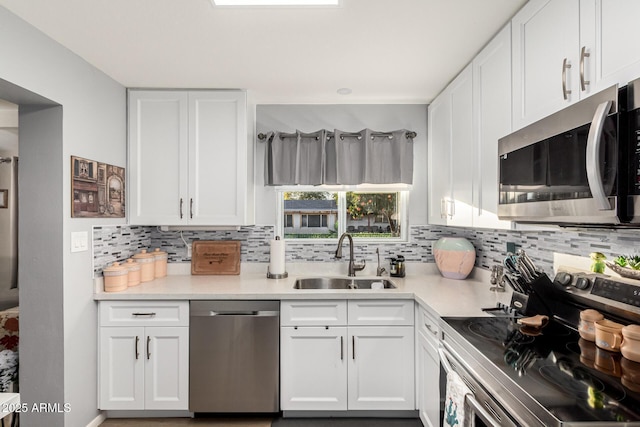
(403, 201)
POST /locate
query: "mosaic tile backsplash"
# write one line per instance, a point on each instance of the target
(117, 243)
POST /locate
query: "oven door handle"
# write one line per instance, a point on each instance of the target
(594, 172)
(481, 412)
(477, 408)
(444, 359)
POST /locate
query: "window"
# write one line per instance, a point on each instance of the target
(373, 214)
(326, 215)
(309, 214)
(314, 220)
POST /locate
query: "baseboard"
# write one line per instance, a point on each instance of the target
(97, 420)
(160, 413)
(351, 414)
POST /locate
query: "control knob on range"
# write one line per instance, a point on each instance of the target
(563, 278)
(582, 283)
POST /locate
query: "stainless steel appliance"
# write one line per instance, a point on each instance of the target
(580, 165)
(234, 356)
(551, 377)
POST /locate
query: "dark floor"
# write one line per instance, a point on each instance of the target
(263, 422)
(201, 422)
(347, 422)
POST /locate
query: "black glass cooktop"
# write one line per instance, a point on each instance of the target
(572, 378)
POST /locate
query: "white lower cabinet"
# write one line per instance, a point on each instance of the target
(142, 366)
(313, 368)
(428, 367)
(381, 368)
(347, 367)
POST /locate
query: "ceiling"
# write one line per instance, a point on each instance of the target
(385, 51)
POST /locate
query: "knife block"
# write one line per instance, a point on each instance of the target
(533, 302)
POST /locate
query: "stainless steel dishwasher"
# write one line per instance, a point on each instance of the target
(234, 356)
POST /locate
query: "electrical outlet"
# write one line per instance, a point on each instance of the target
(189, 250)
(511, 247)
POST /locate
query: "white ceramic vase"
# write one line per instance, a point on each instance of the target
(455, 257)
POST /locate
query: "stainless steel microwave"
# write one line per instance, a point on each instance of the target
(579, 166)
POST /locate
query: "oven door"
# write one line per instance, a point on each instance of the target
(563, 168)
(481, 409)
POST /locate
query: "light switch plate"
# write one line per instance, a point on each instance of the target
(79, 241)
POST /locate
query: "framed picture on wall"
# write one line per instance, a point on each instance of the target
(97, 189)
(4, 199)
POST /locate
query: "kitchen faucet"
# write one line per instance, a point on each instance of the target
(353, 267)
(379, 270)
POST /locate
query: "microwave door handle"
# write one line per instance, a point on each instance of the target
(594, 173)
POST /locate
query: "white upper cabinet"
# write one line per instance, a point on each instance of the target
(605, 34)
(188, 158)
(565, 50)
(217, 158)
(439, 164)
(158, 156)
(465, 122)
(491, 121)
(546, 36)
(450, 148)
(462, 161)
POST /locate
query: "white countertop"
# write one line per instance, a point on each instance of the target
(444, 297)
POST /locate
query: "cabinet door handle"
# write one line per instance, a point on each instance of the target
(449, 208)
(148, 352)
(353, 346)
(191, 208)
(181, 202)
(583, 54)
(431, 330)
(565, 92)
(150, 314)
(136, 349)
(341, 348)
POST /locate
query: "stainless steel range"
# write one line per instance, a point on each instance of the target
(550, 377)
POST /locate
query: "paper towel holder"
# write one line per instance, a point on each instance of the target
(278, 275)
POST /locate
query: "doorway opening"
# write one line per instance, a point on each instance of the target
(31, 316)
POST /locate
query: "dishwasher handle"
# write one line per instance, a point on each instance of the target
(243, 313)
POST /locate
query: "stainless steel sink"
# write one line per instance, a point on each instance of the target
(340, 283)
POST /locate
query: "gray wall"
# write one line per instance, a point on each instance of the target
(58, 319)
(41, 264)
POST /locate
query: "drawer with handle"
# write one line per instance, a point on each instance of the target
(144, 313)
(381, 312)
(313, 313)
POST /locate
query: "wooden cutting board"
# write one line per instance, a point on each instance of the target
(215, 257)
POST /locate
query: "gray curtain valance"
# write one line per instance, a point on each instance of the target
(339, 158)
